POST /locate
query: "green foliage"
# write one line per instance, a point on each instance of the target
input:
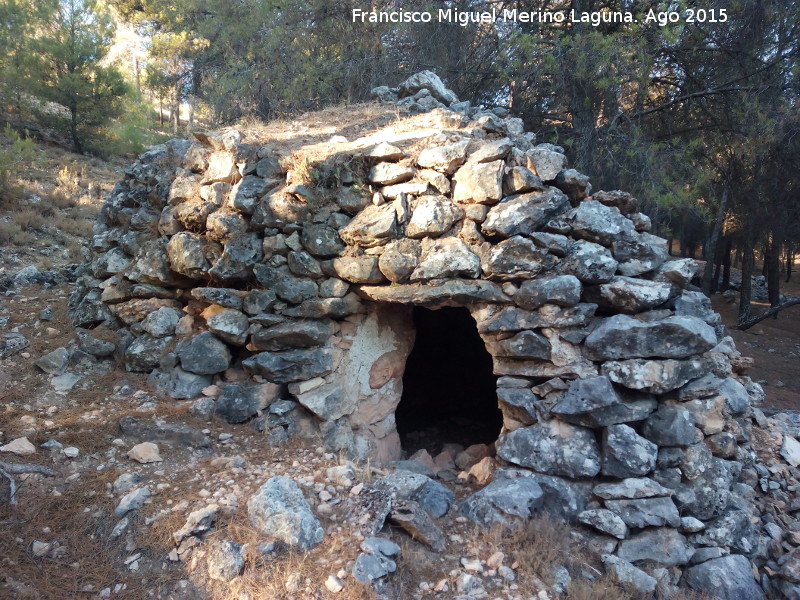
(68, 70)
(16, 153)
(129, 134)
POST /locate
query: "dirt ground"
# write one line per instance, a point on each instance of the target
(774, 345)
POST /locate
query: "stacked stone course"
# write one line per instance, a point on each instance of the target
(623, 408)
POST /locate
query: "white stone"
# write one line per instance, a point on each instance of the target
(146, 452)
(790, 450)
(333, 584)
(19, 446)
(71, 452)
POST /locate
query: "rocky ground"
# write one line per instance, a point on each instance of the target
(109, 489)
(130, 483)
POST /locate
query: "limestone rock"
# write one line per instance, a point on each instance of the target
(157, 429)
(626, 454)
(663, 545)
(225, 560)
(575, 185)
(524, 214)
(230, 326)
(238, 402)
(54, 362)
(438, 294)
(546, 161)
(628, 576)
(373, 226)
(204, 354)
(328, 401)
(145, 352)
(514, 258)
(431, 495)
(131, 501)
(679, 271)
(604, 521)
(525, 344)
(180, 384)
(623, 337)
(162, 322)
(637, 257)
(445, 159)
(427, 80)
(192, 255)
(504, 502)
(432, 216)
(511, 318)
(279, 509)
(285, 284)
(291, 365)
(630, 295)
(12, 343)
(553, 448)
(728, 578)
(646, 512)
(655, 376)
(410, 516)
(446, 257)
(197, 523)
(480, 183)
(709, 494)
(399, 260)
(632, 487)
(146, 452)
(586, 396)
(375, 560)
(20, 446)
(790, 450)
(598, 223)
(589, 262)
(321, 240)
(561, 290)
(670, 426)
(386, 151)
(388, 173)
(520, 180)
(295, 333)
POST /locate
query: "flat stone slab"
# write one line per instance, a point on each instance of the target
(448, 293)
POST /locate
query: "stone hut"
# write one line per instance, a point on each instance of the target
(440, 265)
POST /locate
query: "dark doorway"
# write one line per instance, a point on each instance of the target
(449, 391)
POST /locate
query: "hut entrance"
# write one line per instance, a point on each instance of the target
(449, 391)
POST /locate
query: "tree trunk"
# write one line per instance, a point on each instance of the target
(726, 265)
(136, 75)
(746, 288)
(772, 312)
(711, 247)
(773, 264)
(73, 129)
(789, 262)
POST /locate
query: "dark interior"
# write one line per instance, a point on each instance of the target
(449, 391)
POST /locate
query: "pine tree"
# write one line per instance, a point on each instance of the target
(67, 66)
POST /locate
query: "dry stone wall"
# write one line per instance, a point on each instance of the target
(622, 406)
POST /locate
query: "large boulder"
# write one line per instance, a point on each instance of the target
(622, 337)
(552, 448)
(524, 214)
(506, 502)
(728, 578)
(278, 509)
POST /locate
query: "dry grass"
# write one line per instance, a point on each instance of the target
(12, 234)
(89, 561)
(545, 544)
